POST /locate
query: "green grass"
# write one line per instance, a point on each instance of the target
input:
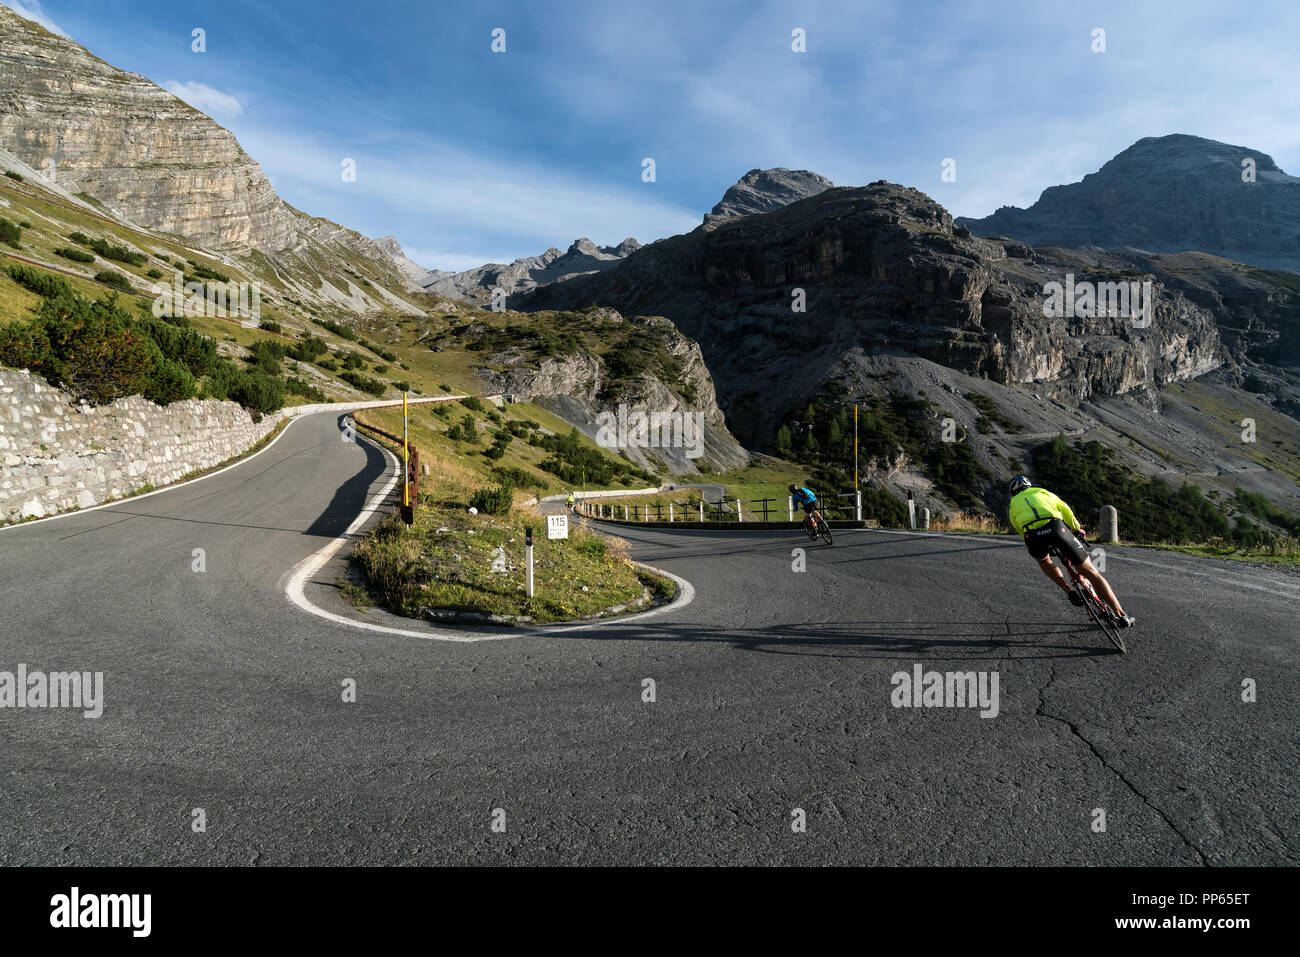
(446, 561)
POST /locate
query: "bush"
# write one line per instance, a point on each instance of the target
(352, 361)
(296, 386)
(10, 232)
(12, 175)
(496, 501)
(373, 386)
(338, 329)
(270, 325)
(193, 350)
(255, 391)
(76, 255)
(40, 281)
(203, 272)
(473, 403)
(401, 385)
(519, 478)
(307, 349)
(116, 253)
(168, 381)
(154, 274)
(110, 277)
(90, 348)
(444, 388)
(266, 356)
(328, 364)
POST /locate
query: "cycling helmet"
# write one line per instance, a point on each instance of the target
(1018, 484)
(792, 489)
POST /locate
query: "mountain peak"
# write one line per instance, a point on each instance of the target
(763, 190)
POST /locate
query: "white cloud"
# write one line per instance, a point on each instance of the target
(462, 199)
(203, 97)
(31, 10)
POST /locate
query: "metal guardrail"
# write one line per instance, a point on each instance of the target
(846, 506)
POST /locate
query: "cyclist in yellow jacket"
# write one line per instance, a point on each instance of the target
(1044, 520)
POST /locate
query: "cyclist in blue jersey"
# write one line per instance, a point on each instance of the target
(803, 496)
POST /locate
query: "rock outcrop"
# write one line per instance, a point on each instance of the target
(153, 160)
(577, 387)
(582, 257)
(1168, 194)
(763, 190)
(883, 269)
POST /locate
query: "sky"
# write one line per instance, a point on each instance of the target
(471, 156)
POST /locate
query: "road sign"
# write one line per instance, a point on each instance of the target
(557, 526)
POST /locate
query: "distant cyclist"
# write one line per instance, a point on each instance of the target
(569, 501)
(807, 498)
(1044, 520)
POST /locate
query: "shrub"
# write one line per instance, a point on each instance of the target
(110, 277)
(40, 281)
(338, 329)
(519, 478)
(296, 386)
(93, 349)
(12, 175)
(353, 361)
(373, 386)
(76, 255)
(154, 273)
(473, 402)
(117, 253)
(307, 349)
(203, 272)
(80, 238)
(270, 325)
(444, 388)
(495, 501)
(168, 381)
(401, 385)
(10, 233)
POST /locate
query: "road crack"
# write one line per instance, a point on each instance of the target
(1074, 729)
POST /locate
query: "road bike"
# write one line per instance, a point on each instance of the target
(816, 526)
(1093, 604)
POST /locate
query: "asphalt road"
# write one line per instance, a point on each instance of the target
(772, 693)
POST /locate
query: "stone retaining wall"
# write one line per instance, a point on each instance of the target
(56, 454)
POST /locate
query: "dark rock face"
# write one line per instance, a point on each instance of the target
(883, 272)
(763, 190)
(1168, 194)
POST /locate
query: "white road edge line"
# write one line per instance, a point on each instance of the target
(295, 590)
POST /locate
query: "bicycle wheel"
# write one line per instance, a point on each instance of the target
(825, 532)
(1099, 612)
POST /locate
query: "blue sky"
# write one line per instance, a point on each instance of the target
(470, 156)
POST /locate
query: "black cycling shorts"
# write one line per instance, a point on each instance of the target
(1039, 540)
(809, 506)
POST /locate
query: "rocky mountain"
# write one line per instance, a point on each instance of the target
(1168, 194)
(897, 298)
(579, 386)
(763, 190)
(582, 257)
(149, 158)
(883, 269)
(418, 276)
